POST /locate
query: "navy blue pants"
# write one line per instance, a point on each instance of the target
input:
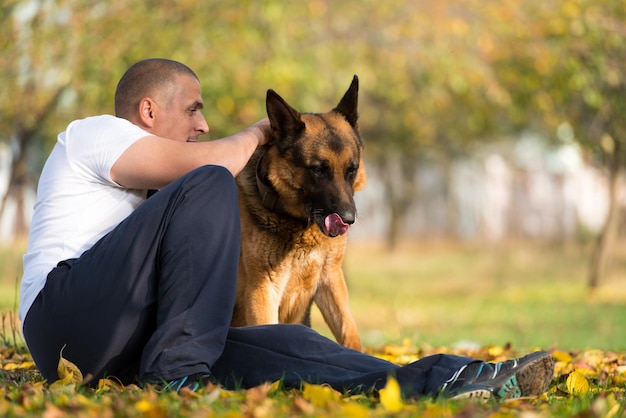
(153, 299)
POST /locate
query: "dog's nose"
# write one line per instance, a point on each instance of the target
(348, 216)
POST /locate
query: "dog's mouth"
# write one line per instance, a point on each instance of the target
(334, 226)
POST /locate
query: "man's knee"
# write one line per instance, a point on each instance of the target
(211, 181)
(212, 172)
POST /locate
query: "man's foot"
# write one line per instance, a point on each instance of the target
(192, 383)
(527, 376)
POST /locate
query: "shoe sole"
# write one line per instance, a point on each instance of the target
(479, 395)
(535, 377)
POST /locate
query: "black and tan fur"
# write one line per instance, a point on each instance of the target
(291, 196)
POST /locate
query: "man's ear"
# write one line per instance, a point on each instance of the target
(146, 111)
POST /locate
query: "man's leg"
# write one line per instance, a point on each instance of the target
(296, 354)
(154, 297)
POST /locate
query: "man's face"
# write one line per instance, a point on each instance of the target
(179, 111)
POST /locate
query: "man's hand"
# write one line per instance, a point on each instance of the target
(266, 131)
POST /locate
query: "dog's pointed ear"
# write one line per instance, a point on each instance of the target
(285, 121)
(349, 103)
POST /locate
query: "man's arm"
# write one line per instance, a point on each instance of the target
(153, 162)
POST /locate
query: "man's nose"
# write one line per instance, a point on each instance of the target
(203, 126)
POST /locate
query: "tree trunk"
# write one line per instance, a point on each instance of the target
(20, 175)
(18, 181)
(390, 181)
(451, 206)
(397, 176)
(607, 236)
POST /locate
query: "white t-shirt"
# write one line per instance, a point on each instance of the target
(77, 201)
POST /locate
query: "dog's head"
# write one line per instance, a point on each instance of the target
(316, 161)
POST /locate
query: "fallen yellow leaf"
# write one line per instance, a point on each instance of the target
(390, 396)
(144, 406)
(562, 356)
(276, 386)
(618, 380)
(495, 351)
(62, 385)
(563, 369)
(395, 350)
(613, 406)
(320, 395)
(69, 374)
(386, 357)
(586, 371)
(19, 366)
(109, 384)
(577, 384)
(354, 410)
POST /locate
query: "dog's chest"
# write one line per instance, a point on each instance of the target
(301, 276)
(307, 258)
(304, 267)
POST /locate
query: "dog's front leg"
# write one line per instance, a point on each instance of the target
(333, 302)
(262, 302)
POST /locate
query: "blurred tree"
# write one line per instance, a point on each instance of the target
(33, 88)
(565, 60)
(436, 77)
(426, 91)
(55, 63)
(60, 60)
(433, 97)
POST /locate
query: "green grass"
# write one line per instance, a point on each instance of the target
(516, 297)
(528, 295)
(10, 273)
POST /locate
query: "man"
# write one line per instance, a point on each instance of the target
(143, 289)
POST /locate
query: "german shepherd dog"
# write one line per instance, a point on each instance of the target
(296, 203)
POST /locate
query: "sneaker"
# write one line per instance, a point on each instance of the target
(192, 383)
(527, 376)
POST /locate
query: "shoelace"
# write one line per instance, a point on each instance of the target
(453, 379)
(497, 367)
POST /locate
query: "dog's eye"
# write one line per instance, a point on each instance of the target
(319, 170)
(351, 172)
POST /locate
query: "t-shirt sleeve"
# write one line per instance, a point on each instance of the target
(94, 144)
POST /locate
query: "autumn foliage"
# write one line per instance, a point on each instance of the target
(587, 382)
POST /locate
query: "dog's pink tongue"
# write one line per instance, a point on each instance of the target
(335, 225)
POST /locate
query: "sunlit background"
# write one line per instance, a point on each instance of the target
(493, 131)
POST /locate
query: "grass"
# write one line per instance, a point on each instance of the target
(529, 295)
(10, 273)
(445, 294)
(424, 298)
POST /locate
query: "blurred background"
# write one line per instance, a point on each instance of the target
(494, 138)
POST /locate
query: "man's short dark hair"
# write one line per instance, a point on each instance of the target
(146, 78)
